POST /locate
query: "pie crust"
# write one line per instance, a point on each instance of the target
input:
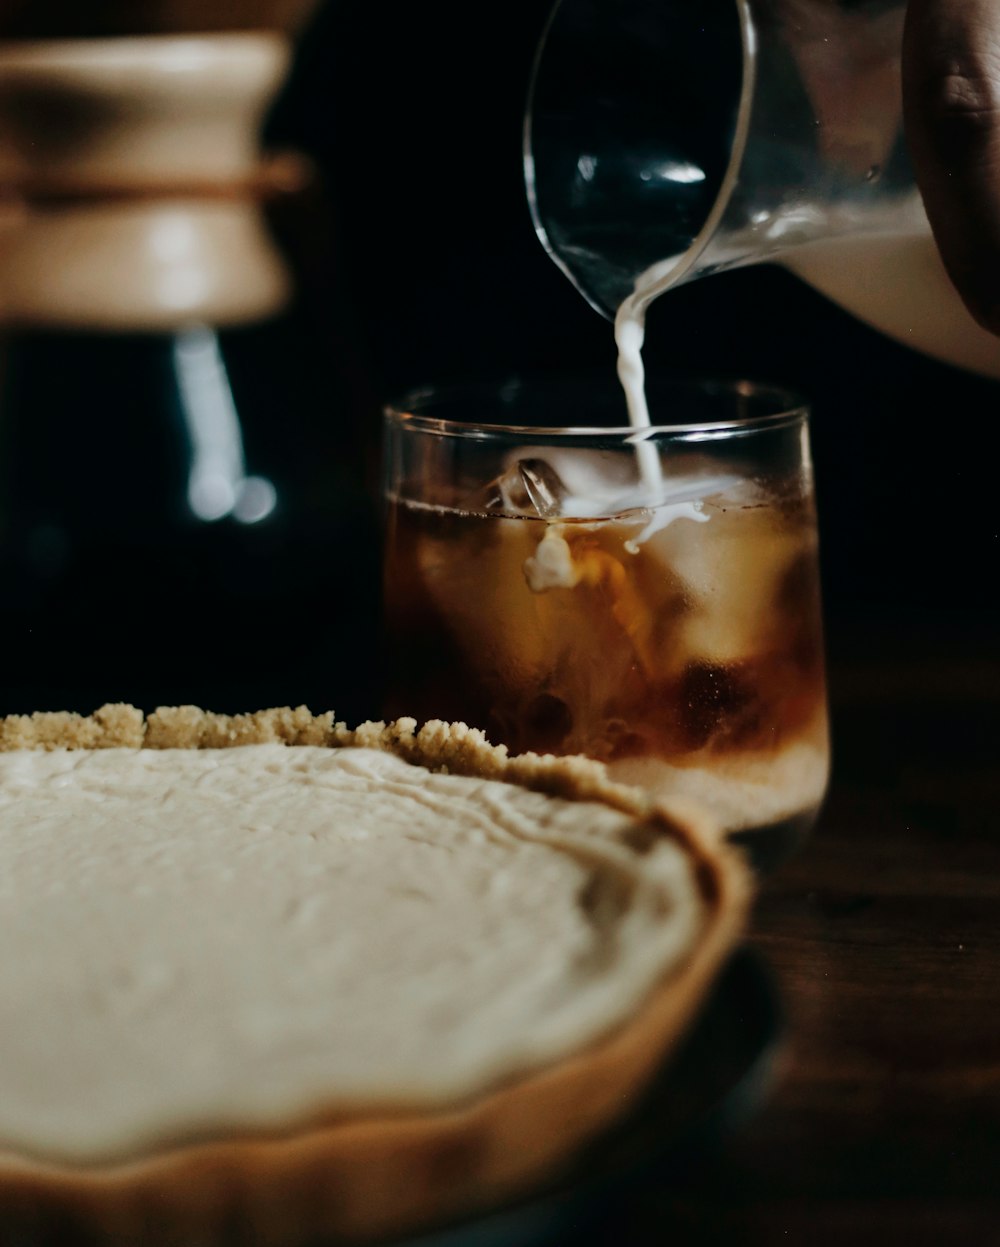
(352, 1177)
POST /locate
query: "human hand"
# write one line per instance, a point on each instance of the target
(951, 94)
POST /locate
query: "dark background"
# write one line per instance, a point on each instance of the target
(417, 263)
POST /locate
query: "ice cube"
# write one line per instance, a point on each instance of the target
(542, 485)
(529, 487)
(732, 566)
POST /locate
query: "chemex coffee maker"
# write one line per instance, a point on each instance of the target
(132, 193)
(162, 452)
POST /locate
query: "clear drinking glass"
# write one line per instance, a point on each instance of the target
(648, 599)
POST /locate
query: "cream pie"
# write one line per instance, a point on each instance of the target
(266, 978)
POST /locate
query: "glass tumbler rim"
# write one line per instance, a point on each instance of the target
(784, 407)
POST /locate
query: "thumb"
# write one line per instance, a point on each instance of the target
(951, 94)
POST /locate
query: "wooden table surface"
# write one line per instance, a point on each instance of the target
(884, 935)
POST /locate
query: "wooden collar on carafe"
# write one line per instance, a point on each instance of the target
(132, 180)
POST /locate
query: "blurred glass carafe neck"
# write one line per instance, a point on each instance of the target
(666, 140)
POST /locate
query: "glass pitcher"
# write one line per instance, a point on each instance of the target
(666, 140)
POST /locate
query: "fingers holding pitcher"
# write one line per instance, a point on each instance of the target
(951, 87)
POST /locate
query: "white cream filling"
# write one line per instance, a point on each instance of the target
(203, 941)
